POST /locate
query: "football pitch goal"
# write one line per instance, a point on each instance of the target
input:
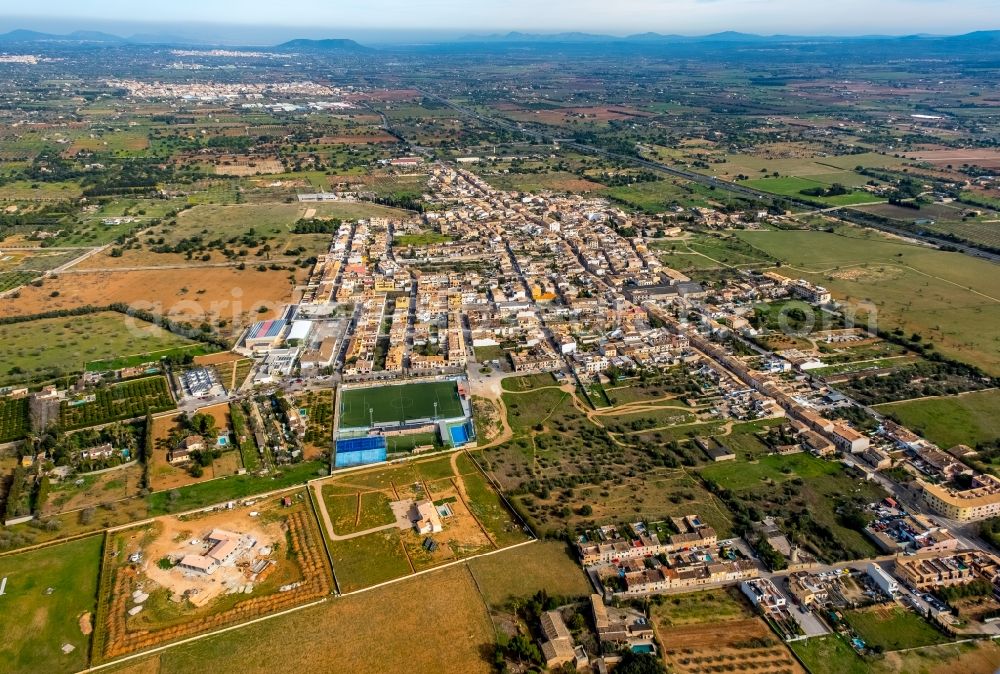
(399, 404)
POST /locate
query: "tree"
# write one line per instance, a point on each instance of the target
(640, 663)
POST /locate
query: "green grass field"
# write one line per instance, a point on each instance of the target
(741, 476)
(36, 624)
(695, 608)
(792, 187)
(800, 486)
(377, 556)
(951, 299)
(829, 655)
(52, 347)
(368, 560)
(402, 402)
(546, 565)
(652, 197)
(904, 629)
(965, 419)
(148, 356)
(231, 488)
(528, 382)
(423, 239)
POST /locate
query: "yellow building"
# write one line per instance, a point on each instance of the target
(979, 502)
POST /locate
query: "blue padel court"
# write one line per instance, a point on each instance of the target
(360, 451)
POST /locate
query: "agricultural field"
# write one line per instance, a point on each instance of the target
(272, 222)
(30, 263)
(135, 215)
(15, 279)
(73, 523)
(48, 607)
(127, 400)
(982, 231)
(968, 419)
(702, 253)
(316, 407)
(52, 347)
(198, 295)
(243, 438)
(394, 641)
(974, 223)
(148, 567)
(14, 420)
(369, 528)
(717, 628)
(399, 403)
(827, 170)
(231, 368)
(700, 607)
(123, 143)
(948, 298)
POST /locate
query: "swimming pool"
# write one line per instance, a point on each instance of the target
(459, 435)
(222, 441)
(643, 648)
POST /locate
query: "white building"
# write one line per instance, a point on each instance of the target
(763, 594)
(425, 518)
(881, 577)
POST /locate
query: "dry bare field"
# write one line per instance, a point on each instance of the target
(982, 657)
(985, 157)
(194, 294)
(433, 623)
(360, 139)
(242, 167)
(97, 489)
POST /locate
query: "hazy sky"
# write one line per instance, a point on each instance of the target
(266, 19)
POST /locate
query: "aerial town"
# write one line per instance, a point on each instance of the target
(595, 372)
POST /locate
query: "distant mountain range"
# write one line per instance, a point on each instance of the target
(321, 45)
(84, 37)
(97, 38)
(726, 36)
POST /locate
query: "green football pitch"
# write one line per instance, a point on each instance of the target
(404, 402)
